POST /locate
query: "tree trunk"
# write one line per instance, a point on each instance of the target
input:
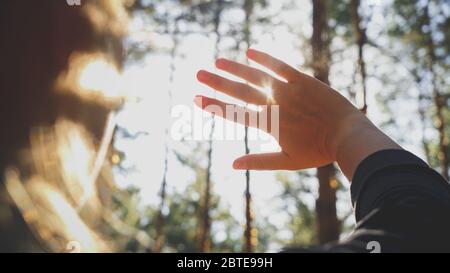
(205, 229)
(249, 237)
(327, 223)
(360, 37)
(438, 99)
(159, 239)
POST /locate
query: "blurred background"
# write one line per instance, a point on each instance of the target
(92, 159)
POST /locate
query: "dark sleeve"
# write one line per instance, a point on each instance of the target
(401, 205)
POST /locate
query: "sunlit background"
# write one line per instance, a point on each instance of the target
(164, 77)
(103, 164)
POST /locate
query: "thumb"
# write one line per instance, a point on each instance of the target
(266, 161)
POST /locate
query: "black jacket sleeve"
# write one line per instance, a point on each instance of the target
(401, 205)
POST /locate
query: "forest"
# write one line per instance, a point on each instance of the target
(152, 186)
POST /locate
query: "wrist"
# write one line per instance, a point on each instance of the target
(358, 138)
(347, 131)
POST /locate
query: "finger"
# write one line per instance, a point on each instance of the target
(237, 90)
(266, 161)
(234, 113)
(280, 68)
(250, 74)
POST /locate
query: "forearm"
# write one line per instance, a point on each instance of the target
(357, 139)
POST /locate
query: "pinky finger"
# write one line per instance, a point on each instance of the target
(232, 112)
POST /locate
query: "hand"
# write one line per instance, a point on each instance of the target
(317, 125)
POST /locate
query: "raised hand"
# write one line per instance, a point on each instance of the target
(317, 125)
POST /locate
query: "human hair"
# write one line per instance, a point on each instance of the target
(56, 181)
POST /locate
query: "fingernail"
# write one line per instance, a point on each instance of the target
(201, 75)
(250, 53)
(238, 165)
(220, 63)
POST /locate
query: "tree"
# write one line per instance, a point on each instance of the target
(204, 236)
(422, 33)
(359, 32)
(216, 212)
(248, 7)
(160, 217)
(443, 155)
(302, 218)
(327, 222)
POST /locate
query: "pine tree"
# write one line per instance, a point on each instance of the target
(327, 222)
(418, 29)
(359, 32)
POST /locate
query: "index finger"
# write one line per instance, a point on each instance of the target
(282, 69)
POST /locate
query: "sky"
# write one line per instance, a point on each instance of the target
(149, 107)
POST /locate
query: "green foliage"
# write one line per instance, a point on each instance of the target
(340, 20)
(423, 30)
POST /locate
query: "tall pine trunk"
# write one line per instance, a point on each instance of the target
(160, 220)
(249, 236)
(360, 38)
(439, 101)
(205, 228)
(328, 227)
